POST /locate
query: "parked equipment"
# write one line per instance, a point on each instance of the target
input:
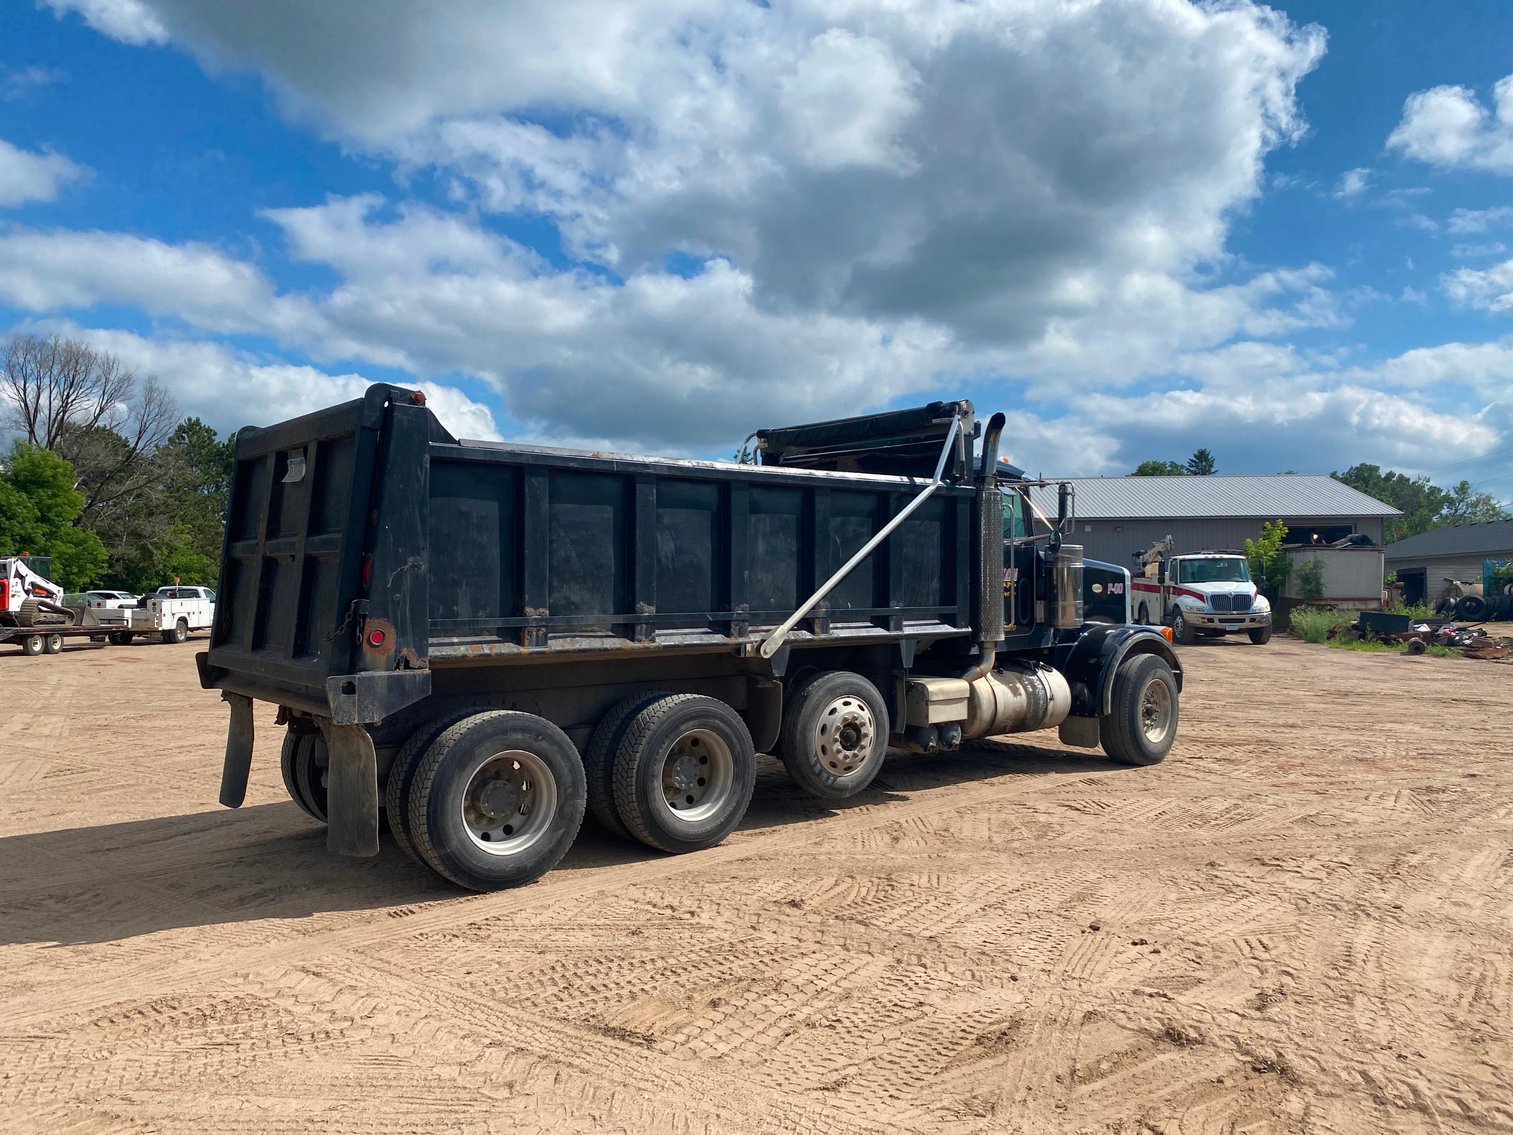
(32, 613)
(489, 639)
(28, 598)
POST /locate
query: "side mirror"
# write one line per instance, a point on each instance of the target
(1066, 515)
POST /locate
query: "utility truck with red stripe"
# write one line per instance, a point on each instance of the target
(1199, 594)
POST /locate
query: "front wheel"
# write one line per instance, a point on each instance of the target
(1182, 630)
(1260, 635)
(33, 645)
(684, 772)
(121, 638)
(1144, 618)
(835, 735)
(1142, 725)
(497, 800)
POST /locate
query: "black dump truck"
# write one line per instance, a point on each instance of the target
(481, 641)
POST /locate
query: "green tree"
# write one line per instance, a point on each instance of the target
(173, 522)
(1201, 464)
(1159, 469)
(1464, 506)
(39, 505)
(1424, 505)
(1269, 565)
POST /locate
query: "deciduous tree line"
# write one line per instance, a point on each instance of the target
(103, 475)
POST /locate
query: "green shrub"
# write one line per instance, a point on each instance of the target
(1313, 624)
(1311, 581)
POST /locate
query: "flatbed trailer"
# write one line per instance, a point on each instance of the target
(37, 641)
(485, 640)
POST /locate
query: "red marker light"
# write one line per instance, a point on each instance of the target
(376, 637)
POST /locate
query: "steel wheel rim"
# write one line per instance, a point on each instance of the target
(696, 779)
(509, 802)
(1178, 623)
(844, 735)
(1156, 711)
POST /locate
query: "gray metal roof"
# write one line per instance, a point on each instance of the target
(1174, 498)
(1493, 539)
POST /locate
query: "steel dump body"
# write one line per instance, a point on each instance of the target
(368, 553)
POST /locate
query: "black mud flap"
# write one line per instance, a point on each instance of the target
(238, 762)
(351, 791)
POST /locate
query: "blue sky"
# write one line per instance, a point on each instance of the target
(1140, 227)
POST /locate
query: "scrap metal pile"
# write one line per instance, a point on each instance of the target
(1394, 629)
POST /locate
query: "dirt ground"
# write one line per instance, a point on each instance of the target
(1299, 923)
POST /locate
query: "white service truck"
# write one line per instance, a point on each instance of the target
(1200, 593)
(171, 613)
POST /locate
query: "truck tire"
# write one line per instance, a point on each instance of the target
(599, 759)
(1142, 725)
(684, 772)
(303, 777)
(179, 632)
(1182, 630)
(1470, 608)
(54, 644)
(835, 735)
(396, 800)
(1144, 618)
(32, 645)
(121, 638)
(1260, 635)
(497, 800)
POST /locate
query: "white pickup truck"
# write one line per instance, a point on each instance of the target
(171, 613)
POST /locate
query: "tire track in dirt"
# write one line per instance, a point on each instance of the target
(553, 890)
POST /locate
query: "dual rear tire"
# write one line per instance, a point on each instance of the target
(674, 771)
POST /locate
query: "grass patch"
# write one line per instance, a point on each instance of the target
(1313, 624)
(1389, 648)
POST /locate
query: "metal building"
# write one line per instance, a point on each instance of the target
(1458, 551)
(1118, 517)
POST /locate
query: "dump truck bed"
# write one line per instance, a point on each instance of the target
(366, 546)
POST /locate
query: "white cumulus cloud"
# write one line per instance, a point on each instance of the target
(25, 176)
(1449, 126)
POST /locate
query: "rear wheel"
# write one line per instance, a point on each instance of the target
(684, 771)
(1140, 728)
(599, 759)
(402, 775)
(497, 800)
(1260, 635)
(179, 632)
(304, 776)
(54, 644)
(1144, 617)
(835, 735)
(32, 645)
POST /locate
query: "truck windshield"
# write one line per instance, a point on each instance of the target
(1228, 569)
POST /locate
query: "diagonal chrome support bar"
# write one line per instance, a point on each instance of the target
(773, 641)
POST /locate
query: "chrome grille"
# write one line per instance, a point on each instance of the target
(1241, 602)
(1219, 602)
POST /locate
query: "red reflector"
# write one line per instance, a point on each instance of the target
(367, 570)
(376, 637)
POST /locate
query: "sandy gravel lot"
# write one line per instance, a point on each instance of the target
(1301, 922)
